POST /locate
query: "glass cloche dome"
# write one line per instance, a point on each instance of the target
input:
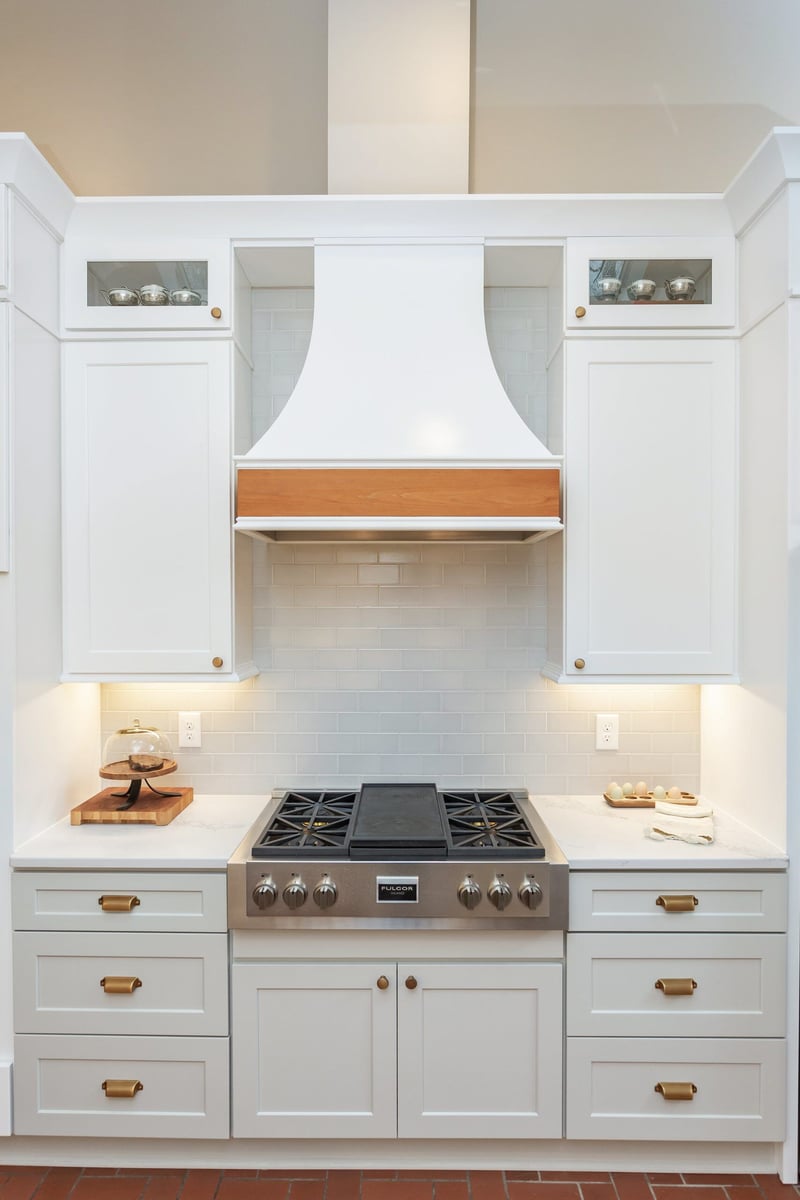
(138, 748)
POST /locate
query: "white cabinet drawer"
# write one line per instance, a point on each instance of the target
(58, 1086)
(76, 983)
(168, 902)
(630, 985)
(646, 901)
(611, 1089)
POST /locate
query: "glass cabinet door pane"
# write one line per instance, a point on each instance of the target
(133, 283)
(650, 281)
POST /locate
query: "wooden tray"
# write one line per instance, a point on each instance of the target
(642, 801)
(149, 809)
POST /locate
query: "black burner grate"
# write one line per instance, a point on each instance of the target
(311, 823)
(488, 824)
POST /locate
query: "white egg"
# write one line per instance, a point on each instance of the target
(658, 792)
(614, 792)
(627, 789)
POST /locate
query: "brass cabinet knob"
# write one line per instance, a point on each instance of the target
(676, 987)
(120, 985)
(216, 313)
(118, 903)
(580, 663)
(121, 1089)
(677, 903)
(676, 1091)
(580, 311)
(383, 982)
(216, 662)
(411, 983)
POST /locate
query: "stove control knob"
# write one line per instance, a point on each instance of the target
(469, 893)
(325, 892)
(500, 893)
(530, 893)
(295, 893)
(265, 894)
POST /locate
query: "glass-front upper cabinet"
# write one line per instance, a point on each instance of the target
(650, 283)
(147, 286)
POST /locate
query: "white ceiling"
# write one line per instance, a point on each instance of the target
(203, 96)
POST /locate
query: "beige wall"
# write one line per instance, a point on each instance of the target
(170, 96)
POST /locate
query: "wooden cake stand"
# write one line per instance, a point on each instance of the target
(157, 808)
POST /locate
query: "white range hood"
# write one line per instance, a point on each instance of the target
(399, 385)
(398, 424)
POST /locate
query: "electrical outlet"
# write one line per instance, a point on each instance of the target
(189, 730)
(606, 731)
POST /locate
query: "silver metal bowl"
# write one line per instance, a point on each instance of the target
(184, 296)
(682, 287)
(642, 289)
(153, 293)
(121, 295)
(607, 289)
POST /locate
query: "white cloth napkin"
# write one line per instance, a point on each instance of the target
(699, 831)
(689, 811)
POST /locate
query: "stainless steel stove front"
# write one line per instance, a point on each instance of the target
(312, 893)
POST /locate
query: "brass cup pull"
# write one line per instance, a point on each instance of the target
(676, 987)
(676, 1091)
(383, 982)
(121, 1089)
(118, 903)
(216, 313)
(580, 663)
(580, 311)
(411, 983)
(120, 985)
(678, 903)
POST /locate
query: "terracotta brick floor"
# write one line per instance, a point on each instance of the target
(101, 1183)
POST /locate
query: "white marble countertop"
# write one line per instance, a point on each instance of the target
(202, 837)
(594, 836)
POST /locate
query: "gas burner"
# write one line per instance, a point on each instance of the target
(489, 821)
(311, 823)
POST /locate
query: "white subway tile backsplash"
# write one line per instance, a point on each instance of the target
(403, 661)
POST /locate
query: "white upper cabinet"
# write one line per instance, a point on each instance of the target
(650, 511)
(127, 285)
(148, 570)
(650, 283)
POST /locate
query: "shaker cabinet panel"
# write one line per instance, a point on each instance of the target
(314, 1050)
(479, 1050)
(650, 541)
(147, 511)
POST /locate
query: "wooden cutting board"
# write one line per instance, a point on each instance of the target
(149, 809)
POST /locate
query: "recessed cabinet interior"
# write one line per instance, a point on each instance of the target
(117, 285)
(649, 549)
(650, 283)
(149, 557)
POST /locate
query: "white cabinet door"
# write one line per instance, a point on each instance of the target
(479, 1050)
(314, 1048)
(147, 510)
(650, 509)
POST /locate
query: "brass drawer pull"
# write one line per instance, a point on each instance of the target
(383, 982)
(676, 1091)
(678, 903)
(411, 983)
(676, 987)
(118, 903)
(120, 985)
(121, 1089)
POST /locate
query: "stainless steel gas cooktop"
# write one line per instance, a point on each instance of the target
(398, 854)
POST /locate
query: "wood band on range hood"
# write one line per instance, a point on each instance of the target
(398, 492)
